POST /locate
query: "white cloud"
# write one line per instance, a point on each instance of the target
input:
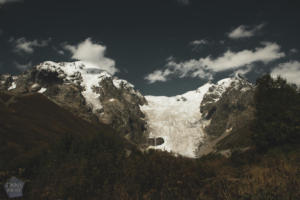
(231, 60)
(206, 67)
(158, 75)
(198, 42)
(244, 70)
(244, 31)
(184, 2)
(22, 45)
(289, 70)
(9, 1)
(294, 50)
(92, 53)
(23, 67)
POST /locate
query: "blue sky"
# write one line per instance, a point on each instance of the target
(162, 47)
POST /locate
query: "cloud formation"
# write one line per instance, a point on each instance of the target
(245, 31)
(294, 50)
(198, 42)
(206, 67)
(92, 53)
(244, 70)
(288, 70)
(22, 45)
(158, 75)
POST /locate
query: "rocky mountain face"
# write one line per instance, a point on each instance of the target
(213, 118)
(228, 110)
(87, 92)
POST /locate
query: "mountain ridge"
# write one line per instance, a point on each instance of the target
(86, 91)
(180, 123)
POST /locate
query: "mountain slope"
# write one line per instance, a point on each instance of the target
(61, 156)
(179, 124)
(177, 120)
(229, 118)
(29, 123)
(87, 92)
(182, 122)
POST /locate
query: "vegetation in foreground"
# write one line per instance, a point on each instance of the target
(103, 166)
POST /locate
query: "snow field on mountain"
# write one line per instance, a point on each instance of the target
(177, 120)
(90, 74)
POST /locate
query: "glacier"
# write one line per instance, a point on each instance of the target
(178, 119)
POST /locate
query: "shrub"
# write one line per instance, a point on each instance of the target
(277, 117)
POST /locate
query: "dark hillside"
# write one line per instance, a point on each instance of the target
(29, 123)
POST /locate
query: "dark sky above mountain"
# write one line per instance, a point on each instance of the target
(163, 47)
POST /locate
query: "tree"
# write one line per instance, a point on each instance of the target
(277, 117)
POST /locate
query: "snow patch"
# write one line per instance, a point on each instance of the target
(225, 83)
(88, 75)
(245, 89)
(218, 89)
(13, 86)
(42, 90)
(118, 82)
(35, 85)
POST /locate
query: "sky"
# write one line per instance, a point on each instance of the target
(163, 47)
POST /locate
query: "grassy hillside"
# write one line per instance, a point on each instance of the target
(29, 123)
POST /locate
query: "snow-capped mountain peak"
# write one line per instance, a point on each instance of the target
(87, 91)
(82, 87)
(85, 74)
(178, 119)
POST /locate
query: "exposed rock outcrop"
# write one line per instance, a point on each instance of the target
(87, 92)
(174, 124)
(229, 115)
(121, 108)
(155, 141)
(6, 82)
